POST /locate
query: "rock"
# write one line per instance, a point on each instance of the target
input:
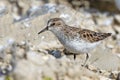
(55, 53)
(117, 2)
(37, 11)
(3, 9)
(98, 59)
(117, 19)
(118, 77)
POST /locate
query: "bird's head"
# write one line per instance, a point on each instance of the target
(53, 23)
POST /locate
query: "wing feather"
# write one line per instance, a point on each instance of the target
(92, 36)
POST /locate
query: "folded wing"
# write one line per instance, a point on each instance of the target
(92, 36)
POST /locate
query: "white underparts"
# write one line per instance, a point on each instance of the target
(77, 45)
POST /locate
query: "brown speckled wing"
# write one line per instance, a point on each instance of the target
(92, 36)
(70, 31)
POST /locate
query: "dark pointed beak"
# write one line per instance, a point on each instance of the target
(46, 28)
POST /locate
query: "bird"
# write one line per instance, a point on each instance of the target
(75, 40)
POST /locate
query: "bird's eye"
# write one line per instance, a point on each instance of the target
(52, 24)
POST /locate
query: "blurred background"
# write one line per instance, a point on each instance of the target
(25, 55)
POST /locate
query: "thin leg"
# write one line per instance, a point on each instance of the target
(87, 56)
(66, 52)
(74, 56)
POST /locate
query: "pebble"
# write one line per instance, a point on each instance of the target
(55, 53)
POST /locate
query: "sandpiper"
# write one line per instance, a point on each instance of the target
(75, 40)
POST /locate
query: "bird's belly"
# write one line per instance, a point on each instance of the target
(80, 46)
(75, 45)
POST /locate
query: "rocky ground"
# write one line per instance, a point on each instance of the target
(25, 55)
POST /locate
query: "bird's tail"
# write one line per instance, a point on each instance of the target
(104, 35)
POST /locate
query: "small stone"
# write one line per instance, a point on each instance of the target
(117, 18)
(92, 68)
(118, 77)
(112, 75)
(55, 53)
(117, 29)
